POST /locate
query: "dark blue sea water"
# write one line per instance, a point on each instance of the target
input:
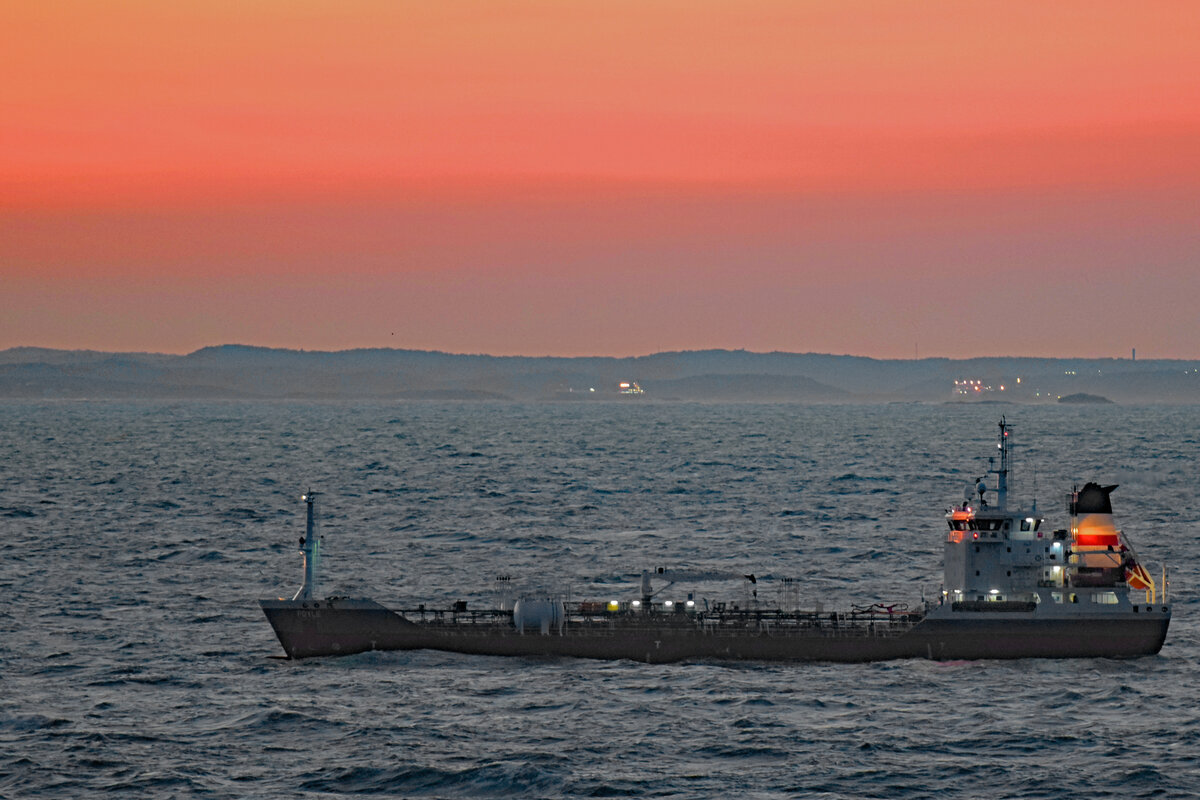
(134, 661)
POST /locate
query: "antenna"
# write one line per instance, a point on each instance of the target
(1002, 473)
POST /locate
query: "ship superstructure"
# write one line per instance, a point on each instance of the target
(1013, 588)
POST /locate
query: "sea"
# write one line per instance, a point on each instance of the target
(138, 536)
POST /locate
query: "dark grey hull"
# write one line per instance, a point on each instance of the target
(1121, 636)
(343, 627)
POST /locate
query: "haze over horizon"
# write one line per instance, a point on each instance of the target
(617, 356)
(893, 181)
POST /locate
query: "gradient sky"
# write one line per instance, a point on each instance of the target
(940, 178)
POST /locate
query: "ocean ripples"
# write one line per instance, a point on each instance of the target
(27, 724)
(135, 662)
(491, 779)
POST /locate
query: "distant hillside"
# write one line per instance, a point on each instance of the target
(244, 372)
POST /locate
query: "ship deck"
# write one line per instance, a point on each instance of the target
(755, 622)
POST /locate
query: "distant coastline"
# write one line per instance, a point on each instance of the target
(246, 372)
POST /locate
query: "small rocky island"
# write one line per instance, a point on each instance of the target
(1081, 398)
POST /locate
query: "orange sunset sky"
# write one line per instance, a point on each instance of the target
(941, 178)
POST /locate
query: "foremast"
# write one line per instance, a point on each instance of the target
(310, 545)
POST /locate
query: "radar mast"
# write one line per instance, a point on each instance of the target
(1001, 473)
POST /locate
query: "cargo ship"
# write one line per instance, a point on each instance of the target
(1012, 588)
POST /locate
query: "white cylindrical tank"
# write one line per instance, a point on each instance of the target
(538, 614)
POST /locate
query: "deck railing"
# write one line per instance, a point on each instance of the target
(874, 622)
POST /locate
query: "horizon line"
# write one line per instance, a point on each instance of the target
(232, 345)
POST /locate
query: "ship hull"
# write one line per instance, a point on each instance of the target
(343, 627)
(1118, 637)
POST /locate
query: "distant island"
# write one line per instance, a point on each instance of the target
(241, 372)
(1082, 398)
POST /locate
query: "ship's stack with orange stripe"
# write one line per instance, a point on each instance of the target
(1100, 553)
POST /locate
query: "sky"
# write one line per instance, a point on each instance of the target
(888, 179)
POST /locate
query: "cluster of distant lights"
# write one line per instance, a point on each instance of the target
(968, 386)
(624, 387)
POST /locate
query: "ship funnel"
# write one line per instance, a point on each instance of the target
(1092, 499)
(1092, 517)
(1098, 545)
